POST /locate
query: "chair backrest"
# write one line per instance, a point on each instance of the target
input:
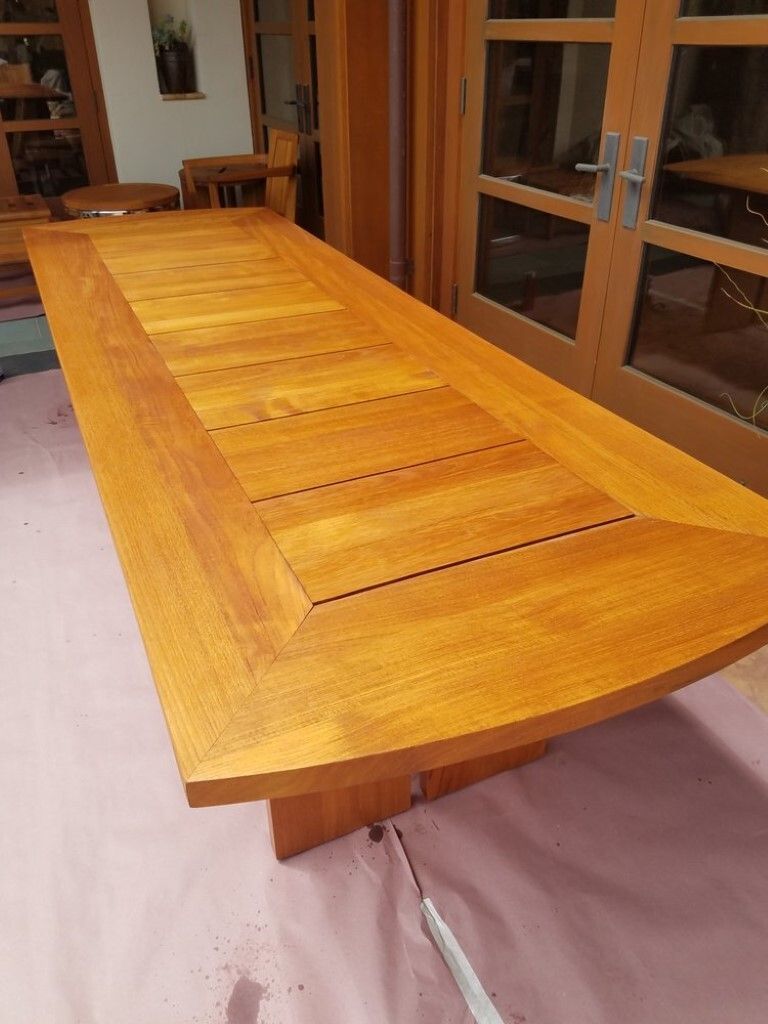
(280, 192)
(12, 74)
(195, 195)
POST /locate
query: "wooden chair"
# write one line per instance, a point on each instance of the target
(13, 74)
(263, 180)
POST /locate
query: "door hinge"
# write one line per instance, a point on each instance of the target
(454, 299)
(463, 96)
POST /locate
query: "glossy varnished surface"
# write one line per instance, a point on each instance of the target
(492, 559)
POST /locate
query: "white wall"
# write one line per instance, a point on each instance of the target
(150, 136)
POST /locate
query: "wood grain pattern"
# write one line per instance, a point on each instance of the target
(301, 452)
(215, 348)
(157, 284)
(489, 655)
(298, 823)
(366, 532)
(244, 305)
(452, 777)
(267, 697)
(214, 598)
(223, 398)
(157, 254)
(596, 444)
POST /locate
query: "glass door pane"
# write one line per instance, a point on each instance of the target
(547, 105)
(684, 350)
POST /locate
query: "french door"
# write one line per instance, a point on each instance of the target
(615, 209)
(281, 47)
(52, 135)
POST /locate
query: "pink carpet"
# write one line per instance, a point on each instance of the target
(623, 879)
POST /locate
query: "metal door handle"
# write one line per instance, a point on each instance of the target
(634, 178)
(592, 168)
(607, 172)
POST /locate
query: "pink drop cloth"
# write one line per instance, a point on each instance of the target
(620, 880)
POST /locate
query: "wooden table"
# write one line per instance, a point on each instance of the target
(361, 542)
(746, 171)
(117, 199)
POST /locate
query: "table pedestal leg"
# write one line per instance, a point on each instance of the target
(298, 823)
(439, 781)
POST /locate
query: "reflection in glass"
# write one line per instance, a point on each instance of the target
(48, 163)
(544, 112)
(551, 8)
(721, 8)
(272, 10)
(33, 78)
(278, 86)
(27, 10)
(695, 331)
(531, 262)
(714, 151)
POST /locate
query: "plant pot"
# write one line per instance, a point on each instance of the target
(174, 65)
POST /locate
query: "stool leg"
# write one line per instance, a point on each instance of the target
(298, 823)
(439, 781)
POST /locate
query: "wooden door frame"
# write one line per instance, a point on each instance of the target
(75, 28)
(708, 433)
(568, 360)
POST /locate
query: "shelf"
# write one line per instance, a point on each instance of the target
(182, 95)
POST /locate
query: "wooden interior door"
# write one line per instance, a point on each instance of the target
(549, 86)
(281, 47)
(52, 135)
(684, 346)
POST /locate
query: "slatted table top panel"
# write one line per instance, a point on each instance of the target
(361, 541)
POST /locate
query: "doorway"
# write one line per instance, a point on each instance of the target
(281, 52)
(53, 130)
(614, 209)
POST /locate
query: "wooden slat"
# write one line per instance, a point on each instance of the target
(244, 305)
(367, 532)
(752, 259)
(299, 452)
(158, 256)
(224, 398)
(619, 458)
(213, 595)
(215, 348)
(158, 284)
(491, 654)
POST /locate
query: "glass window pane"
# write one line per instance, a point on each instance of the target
(278, 85)
(721, 8)
(272, 10)
(714, 151)
(49, 163)
(531, 262)
(703, 329)
(544, 112)
(33, 78)
(551, 8)
(28, 10)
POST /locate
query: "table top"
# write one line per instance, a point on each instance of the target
(119, 196)
(360, 541)
(747, 171)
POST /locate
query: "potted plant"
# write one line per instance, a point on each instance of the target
(173, 55)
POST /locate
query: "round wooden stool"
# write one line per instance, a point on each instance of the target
(120, 199)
